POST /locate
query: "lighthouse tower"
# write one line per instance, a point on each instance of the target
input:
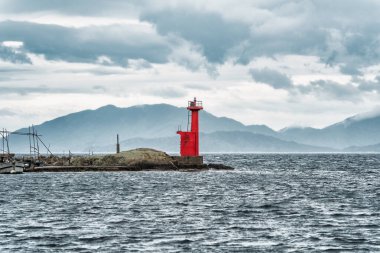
(190, 139)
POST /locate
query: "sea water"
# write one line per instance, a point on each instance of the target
(270, 203)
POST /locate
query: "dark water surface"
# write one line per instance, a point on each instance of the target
(271, 203)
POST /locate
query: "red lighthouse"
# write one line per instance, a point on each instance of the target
(190, 140)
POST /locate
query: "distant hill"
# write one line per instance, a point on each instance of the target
(261, 129)
(370, 148)
(85, 130)
(360, 130)
(156, 125)
(223, 141)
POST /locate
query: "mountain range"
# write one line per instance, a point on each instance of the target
(155, 126)
(360, 130)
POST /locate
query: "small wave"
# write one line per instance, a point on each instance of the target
(95, 239)
(350, 240)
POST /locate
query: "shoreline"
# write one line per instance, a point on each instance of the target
(136, 167)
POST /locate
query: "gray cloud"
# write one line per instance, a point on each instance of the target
(367, 85)
(167, 92)
(139, 64)
(352, 91)
(339, 32)
(43, 89)
(197, 86)
(14, 72)
(272, 77)
(117, 42)
(350, 69)
(4, 112)
(13, 69)
(99, 88)
(343, 33)
(11, 55)
(215, 35)
(70, 7)
(325, 89)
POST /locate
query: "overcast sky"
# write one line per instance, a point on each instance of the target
(279, 63)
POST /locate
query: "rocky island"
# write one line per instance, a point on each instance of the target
(141, 159)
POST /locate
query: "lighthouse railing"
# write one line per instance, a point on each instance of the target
(195, 103)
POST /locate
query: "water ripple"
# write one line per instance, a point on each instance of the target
(272, 202)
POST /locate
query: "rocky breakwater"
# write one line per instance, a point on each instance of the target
(142, 159)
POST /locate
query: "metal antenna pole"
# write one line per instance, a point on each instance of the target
(7, 140)
(38, 147)
(30, 143)
(5, 135)
(45, 145)
(34, 143)
(3, 141)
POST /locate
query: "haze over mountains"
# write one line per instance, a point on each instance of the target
(354, 131)
(155, 126)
